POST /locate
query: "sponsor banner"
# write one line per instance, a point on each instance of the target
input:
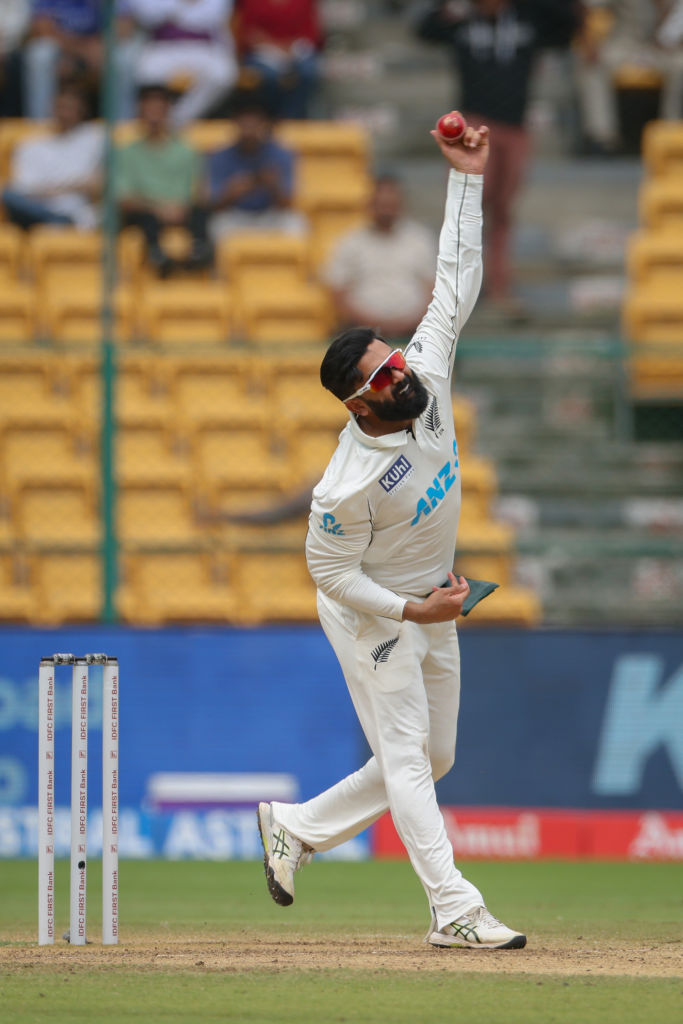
(217, 834)
(530, 833)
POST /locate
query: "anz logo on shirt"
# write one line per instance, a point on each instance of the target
(442, 483)
(330, 525)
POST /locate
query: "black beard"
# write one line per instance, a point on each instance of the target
(408, 406)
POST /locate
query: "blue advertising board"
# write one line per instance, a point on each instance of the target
(548, 719)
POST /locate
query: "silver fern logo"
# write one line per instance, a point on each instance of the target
(432, 418)
(382, 652)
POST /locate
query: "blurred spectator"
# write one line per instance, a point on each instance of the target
(14, 21)
(645, 34)
(57, 178)
(249, 185)
(188, 39)
(382, 274)
(280, 41)
(157, 183)
(65, 42)
(495, 44)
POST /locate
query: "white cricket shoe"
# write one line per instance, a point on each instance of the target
(477, 929)
(283, 855)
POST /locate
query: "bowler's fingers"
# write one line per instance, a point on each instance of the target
(474, 138)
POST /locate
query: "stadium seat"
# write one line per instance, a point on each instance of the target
(73, 313)
(302, 401)
(479, 484)
(64, 251)
(151, 514)
(310, 451)
(241, 457)
(17, 312)
(219, 392)
(655, 260)
(69, 586)
(185, 313)
(288, 315)
(332, 217)
(183, 586)
(464, 417)
(484, 550)
(663, 148)
(47, 514)
(260, 259)
(326, 151)
(276, 587)
(27, 395)
(12, 252)
(16, 598)
(44, 455)
(147, 454)
(507, 606)
(654, 315)
(660, 202)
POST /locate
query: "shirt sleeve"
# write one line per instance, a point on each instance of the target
(339, 533)
(458, 277)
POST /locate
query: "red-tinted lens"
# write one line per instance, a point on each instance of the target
(384, 376)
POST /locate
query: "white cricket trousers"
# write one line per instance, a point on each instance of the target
(404, 681)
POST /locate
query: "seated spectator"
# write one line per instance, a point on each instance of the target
(645, 34)
(65, 42)
(382, 274)
(249, 184)
(187, 39)
(157, 181)
(57, 178)
(14, 21)
(280, 41)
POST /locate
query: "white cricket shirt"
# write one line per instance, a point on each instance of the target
(384, 517)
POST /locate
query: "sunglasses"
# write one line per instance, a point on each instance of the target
(382, 376)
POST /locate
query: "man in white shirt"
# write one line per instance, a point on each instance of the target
(56, 178)
(382, 273)
(380, 548)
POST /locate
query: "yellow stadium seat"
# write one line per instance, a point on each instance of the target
(65, 250)
(464, 417)
(654, 315)
(479, 484)
(169, 586)
(656, 371)
(311, 450)
(186, 312)
(44, 455)
(325, 150)
(241, 457)
(637, 76)
(27, 396)
(12, 251)
(484, 550)
(302, 401)
(331, 219)
(61, 515)
(289, 315)
(507, 606)
(222, 392)
(655, 260)
(260, 259)
(151, 514)
(146, 454)
(209, 135)
(69, 586)
(663, 148)
(660, 202)
(17, 312)
(277, 587)
(16, 598)
(73, 314)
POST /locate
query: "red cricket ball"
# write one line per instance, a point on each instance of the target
(451, 126)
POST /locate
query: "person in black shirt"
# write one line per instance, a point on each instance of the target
(495, 44)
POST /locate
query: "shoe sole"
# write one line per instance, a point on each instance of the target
(279, 895)
(516, 942)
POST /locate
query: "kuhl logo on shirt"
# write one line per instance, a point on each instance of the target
(397, 472)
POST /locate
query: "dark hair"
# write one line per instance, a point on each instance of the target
(339, 371)
(155, 89)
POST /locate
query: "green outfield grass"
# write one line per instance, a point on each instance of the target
(188, 931)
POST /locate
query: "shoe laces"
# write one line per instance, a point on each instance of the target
(483, 916)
